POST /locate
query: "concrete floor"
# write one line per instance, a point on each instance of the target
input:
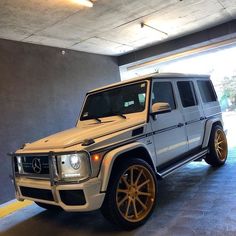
(195, 200)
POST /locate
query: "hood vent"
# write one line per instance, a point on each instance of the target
(137, 131)
(88, 142)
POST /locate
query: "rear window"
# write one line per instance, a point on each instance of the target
(187, 93)
(206, 90)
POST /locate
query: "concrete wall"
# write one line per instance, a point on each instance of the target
(41, 92)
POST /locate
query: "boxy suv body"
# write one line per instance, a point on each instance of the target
(128, 136)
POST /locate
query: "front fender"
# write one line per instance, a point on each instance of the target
(109, 159)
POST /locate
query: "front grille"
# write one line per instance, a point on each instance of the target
(35, 164)
(73, 197)
(43, 194)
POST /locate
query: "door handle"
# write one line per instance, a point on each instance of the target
(180, 125)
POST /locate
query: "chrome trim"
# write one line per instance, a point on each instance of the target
(34, 176)
(51, 169)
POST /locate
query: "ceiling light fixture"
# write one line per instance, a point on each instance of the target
(85, 3)
(151, 27)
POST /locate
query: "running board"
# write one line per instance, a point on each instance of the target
(162, 174)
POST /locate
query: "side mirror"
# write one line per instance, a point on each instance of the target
(160, 107)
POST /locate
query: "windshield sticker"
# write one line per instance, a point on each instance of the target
(143, 85)
(129, 103)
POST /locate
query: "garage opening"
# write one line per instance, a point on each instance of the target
(219, 64)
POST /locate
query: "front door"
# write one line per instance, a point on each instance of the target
(168, 128)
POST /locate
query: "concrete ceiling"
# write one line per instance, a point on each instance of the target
(111, 27)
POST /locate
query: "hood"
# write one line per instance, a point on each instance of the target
(77, 135)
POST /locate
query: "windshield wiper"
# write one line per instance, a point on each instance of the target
(121, 115)
(97, 119)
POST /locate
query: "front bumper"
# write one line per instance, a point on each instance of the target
(70, 196)
(84, 196)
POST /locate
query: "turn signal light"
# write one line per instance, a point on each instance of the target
(96, 157)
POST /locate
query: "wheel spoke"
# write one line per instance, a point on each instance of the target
(139, 175)
(142, 184)
(122, 201)
(141, 203)
(219, 152)
(125, 181)
(127, 209)
(122, 190)
(135, 209)
(144, 193)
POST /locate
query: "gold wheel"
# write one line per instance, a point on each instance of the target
(218, 148)
(135, 193)
(220, 145)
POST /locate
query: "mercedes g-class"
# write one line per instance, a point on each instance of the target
(128, 136)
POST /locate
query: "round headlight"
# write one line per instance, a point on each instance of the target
(75, 161)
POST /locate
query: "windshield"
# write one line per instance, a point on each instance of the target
(122, 100)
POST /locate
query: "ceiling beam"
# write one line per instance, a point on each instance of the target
(225, 32)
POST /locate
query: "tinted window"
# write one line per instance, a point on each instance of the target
(206, 91)
(187, 94)
(163, 92)
(123, 100)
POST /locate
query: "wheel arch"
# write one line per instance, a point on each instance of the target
(208, 127)
(113, 157)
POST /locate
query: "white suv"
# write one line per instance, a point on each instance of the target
(128, 136)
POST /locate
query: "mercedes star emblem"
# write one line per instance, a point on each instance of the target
(36, 165)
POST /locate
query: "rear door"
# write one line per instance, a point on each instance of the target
(192, 112)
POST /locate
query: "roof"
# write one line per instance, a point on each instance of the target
(152, 76)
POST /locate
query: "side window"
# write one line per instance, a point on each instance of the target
(187, 93)
(163, 92)
(206, 91)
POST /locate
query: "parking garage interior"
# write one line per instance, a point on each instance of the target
(53, 52)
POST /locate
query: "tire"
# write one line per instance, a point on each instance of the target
(218, 148)
(130, 201)
(48, 206)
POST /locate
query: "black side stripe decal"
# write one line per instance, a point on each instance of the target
(194, 121)
(166, 129)
(130, 140)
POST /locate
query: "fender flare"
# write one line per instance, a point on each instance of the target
(208, 128)
(111, 156)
